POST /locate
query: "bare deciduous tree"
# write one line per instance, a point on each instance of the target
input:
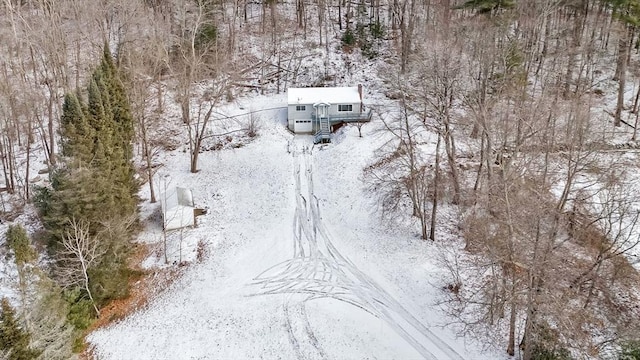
(433, 95)
(81, 252)
(402, 172)
(198, 59)
(48, 326)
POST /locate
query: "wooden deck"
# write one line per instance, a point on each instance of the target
(323, 124)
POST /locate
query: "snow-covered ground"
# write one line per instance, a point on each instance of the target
(299, 264)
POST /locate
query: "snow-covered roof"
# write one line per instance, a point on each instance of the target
(330, 95)
(177, 208)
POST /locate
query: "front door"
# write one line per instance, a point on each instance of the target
(322, 111)
(322, 115)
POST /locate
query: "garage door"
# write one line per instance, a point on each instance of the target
(302, 126)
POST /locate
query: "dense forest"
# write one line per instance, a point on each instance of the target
(533, 105)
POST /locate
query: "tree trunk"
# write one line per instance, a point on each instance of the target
(450, 148)
(52, 140)
(147, 156)
(436, 183)
(159, 94)
(340, 15)
(407, 26)
(511, 344)
(476, 185)
(635, 127)
(300, 13)
(5, 166)
(622, 75)
(194, 158)
(28, 164)
(635, 101)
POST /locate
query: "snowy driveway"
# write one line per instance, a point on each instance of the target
(318, 271)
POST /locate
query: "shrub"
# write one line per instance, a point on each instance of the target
(540, 352)
(367, 50)
(109, 281)
(377, 30)
(630, 351)
(206, 36)
(546, 344)
(81, 313)
(348, 38)
(18, 241)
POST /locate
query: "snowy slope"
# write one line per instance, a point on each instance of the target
(299, 265)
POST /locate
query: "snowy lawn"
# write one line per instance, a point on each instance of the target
(299, 263)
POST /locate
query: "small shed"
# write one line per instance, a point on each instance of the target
(178, 209)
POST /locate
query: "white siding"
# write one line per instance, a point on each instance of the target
(355, 109)
(294, 115)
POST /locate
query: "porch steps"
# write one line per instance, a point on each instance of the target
(324, 133)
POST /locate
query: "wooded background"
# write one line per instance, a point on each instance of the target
(531, 107)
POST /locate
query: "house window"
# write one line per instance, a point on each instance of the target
(301, 108)
(345, 107)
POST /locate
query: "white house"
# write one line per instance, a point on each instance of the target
(316, 110)
(178, 209)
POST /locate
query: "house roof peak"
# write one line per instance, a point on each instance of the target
(331, 95)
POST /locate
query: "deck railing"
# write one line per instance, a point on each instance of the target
(347, 117)
(321, 135)
(323, 123)
(324, 131)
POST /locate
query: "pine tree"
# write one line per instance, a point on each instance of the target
(13, 339)
(96, 107)
(628, 14)
(96, 180)
(78, 134)
(120, 103)
(102, 81)
(18, 241)
(97, 138)
(123, 127)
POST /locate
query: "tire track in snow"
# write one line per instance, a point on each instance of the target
(290, 333)
(318, 270)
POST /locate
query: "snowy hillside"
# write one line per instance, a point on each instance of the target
(298, 265)
(490, 209)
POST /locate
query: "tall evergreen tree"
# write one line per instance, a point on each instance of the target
(124, 131)
(78, 134)
(96, 181)
(97, 115)
(120, 102)
(13, 339)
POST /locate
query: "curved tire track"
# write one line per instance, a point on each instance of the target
(318, 270)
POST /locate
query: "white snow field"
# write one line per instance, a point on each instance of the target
(299, 265)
